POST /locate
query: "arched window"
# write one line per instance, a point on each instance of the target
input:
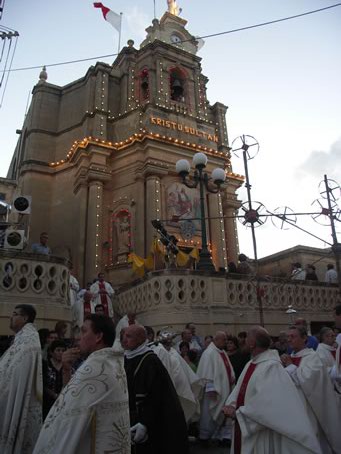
(144, 84)
(177, 81)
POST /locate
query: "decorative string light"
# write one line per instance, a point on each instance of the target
(83, 144)
(222, 228)
(97, 239)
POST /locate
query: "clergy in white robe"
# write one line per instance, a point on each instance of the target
(21, 385)
(74, 289)
(102, 294)
(327, 351)
(315, 389)
(269, 415)
(217, 374)
(124, 322)
(91, 415)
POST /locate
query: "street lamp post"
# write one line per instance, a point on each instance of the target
(202, 179)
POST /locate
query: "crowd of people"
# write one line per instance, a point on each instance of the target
(127, 389)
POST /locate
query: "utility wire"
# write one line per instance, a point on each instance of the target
(263, 24)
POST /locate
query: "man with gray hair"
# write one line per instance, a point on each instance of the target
(217, 374)
(21, 386)
(269, 416)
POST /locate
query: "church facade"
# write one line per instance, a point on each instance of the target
(98, 157)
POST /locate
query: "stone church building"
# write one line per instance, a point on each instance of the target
(98, 157)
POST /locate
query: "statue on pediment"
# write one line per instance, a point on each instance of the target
(173, 7)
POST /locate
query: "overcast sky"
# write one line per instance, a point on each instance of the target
(281, 83)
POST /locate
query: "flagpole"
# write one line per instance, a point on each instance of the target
(119, 35)
(154, 10)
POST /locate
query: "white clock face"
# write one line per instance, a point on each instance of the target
(175, 39)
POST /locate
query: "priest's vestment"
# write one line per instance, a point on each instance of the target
(21, 392)
(91, 415)
(217, 373)
(187, 384)
(154, 403)
(102, 294)
(316, 391)
(270, 417)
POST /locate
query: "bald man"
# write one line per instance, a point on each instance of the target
(157, 420)
(217, 374)
(269, 416)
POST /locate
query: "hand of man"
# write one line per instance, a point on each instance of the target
(69, 357)
(212, 395)
(139, 433)
(229, 411)
(286, 360)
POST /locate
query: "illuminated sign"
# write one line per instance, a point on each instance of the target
(174, 126)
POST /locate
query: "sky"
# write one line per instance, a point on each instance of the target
(281, 84)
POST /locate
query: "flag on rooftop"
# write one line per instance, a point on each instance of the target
(110, 16)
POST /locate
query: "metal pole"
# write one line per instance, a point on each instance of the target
(336, 248)
(205, 260)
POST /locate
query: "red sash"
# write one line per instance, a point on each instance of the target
(240, 403)
(87, 308)
(227, 367)
(104, 300)
(296, 360)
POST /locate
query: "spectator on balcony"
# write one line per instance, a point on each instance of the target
(102, 293)
(243, 265)
(52, 375)
(331, 274)
(21, 385)
(297, 274)
(41, 247)
(311, 273)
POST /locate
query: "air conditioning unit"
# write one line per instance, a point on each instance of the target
(14, 239)
(22, 204)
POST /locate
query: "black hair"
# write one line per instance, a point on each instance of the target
(103, 324)
(56, 344)
(27, 311)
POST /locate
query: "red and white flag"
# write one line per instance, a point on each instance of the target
(113, 18)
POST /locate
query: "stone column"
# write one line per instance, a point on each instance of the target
(93, 251)
(231, 234)
(153, 208)
(217, 231)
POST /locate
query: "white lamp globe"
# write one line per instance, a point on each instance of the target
(199, 160)
(182, 167)
(218, 176)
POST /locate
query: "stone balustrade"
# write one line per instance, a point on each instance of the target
(215, 301)
(36, 279)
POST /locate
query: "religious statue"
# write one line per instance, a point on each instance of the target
(173, 7)
(123, 235)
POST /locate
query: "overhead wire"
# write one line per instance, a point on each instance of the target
(212, 35)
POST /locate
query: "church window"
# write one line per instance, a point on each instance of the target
(177, 85)
(144, 85)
